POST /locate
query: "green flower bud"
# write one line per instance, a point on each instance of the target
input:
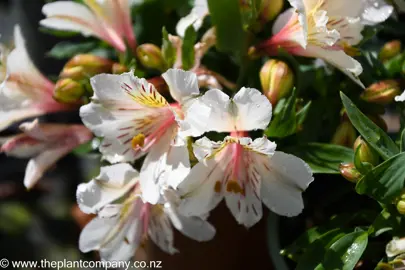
(349, 172)
(345, 134)
(269, 9)
(117, 68)
(390, 50)
(277, 80)
(151, 56)
(382, 92)
(365, 152)
(401, 207)
(68, 91)
(83, 66)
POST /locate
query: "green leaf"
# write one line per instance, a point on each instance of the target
(346, 251)
(385, 221)
(374, 135)
(250, 11)
(402, 143)
(67, 49)
(58, 33)
(285, 122)
(187, 50)
(386, 181)
(317, 250)
(168, 51)
(226, 18)
(323, 158)
(302, 114)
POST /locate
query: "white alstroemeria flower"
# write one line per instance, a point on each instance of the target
(395, 247)
(375, 11)
(400, 98)
(105, 19)
(325, 29)
(25, 92)
(195, 17)
(244, 171)
(135, 119)
(119, 229)
(45, 144)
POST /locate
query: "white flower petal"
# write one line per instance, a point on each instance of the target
(351, 67)
(282, 20)
(204, 147)
(182, 84)
(195, 17)
(37, 166)
(395, 247)
(260, 145)
(160, 230)
(302, 18)
(253, 110)
(192, 227)
(284, 177)
(22, 146)
(112, 183)
(198, 190)
(70, 16)
(7, 118)
(196, 118)
(400, 98)
(376, 11)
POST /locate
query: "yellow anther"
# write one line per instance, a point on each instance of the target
(218, 186)
(233, 186)
(138, 141)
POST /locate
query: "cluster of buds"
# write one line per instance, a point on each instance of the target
(277, 80)
(70, 88)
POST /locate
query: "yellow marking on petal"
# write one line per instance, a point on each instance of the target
(218, 186)
(233, 186)
(138, 141)
(147, 97)
(349, 50)
(96, 8)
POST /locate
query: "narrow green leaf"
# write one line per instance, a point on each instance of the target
(67, 49)
(168, 51)
(316, 251)
(346, 251)
(226, 17)
(285, 122)
(384, 222)
(302, 114)
(386, 181)
(187, 50)
(323, 158)
(402, 143)
(374, 135)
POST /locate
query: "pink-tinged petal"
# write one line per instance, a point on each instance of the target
(111, 184)
(284, 178)
(301, 9)
(203, 188)
(70, 16)
(193, 227)
(182, 84)
(253, 110)
(40, 164)
(22, 146)
(7, 118)
(160, 230)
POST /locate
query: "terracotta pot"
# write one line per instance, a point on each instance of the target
(233, 247)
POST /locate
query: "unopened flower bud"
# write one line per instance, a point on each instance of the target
(365, 152)
(151, 56)
(349, 172)
(277, 80)
(390, 50)
(68, 91)
(269, 9)
(345, 134)
(84, 66)
(382, 92)
(117, 68)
